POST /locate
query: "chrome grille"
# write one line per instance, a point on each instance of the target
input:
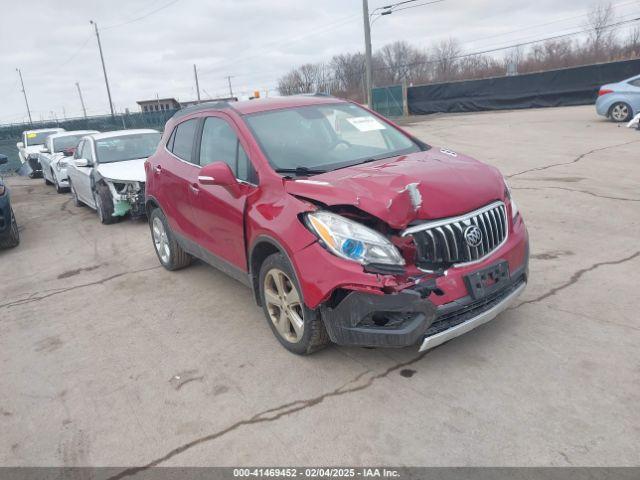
(441, 243)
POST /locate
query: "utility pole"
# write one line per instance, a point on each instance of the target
(25, 95)
(367, 48)
(195, 74)
(104, 69)
(229, 77)
(84, 110)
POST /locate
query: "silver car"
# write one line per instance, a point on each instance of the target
(56, 154)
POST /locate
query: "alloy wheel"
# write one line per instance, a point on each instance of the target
(161, 240)
(283, 304)
(619, 112)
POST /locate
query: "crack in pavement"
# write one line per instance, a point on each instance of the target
(37, 296)
(574, 278)
(273, 414)
(575, 160)
(624, 199)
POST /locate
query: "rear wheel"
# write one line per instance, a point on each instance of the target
(620, 112)
(104, 205)
(169, 251)
(298, 328)
(13, 238)
(46, 180)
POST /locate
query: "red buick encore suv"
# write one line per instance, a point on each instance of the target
(345, 227)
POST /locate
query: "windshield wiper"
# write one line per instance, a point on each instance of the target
(301, 171)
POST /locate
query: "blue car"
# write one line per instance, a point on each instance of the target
(619, 101)
(9, 235)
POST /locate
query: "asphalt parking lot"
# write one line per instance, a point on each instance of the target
(109, 360)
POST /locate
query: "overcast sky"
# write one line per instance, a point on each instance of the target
(255, 41)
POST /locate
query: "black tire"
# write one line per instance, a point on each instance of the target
(104, 205)
(177, 258)
(620, 112)
(74, 195)
(314, 335)
(59, 189)
(13, 238)
(46, 181)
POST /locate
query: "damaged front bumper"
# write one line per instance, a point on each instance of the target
(408, 317)
(128, 197)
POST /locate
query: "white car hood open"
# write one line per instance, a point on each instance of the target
(131, 170)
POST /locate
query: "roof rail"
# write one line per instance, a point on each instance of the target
(316, 94)
(201, 106)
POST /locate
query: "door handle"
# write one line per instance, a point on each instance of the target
(194, 188)
(157, 169)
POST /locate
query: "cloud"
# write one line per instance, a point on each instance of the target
(252, 40)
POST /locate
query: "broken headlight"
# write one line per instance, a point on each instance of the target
(514, 205)
(352, 241)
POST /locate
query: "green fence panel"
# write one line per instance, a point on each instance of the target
(388, 101)
(12, 134)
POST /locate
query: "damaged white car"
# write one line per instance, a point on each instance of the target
(107, 173)
(56, 155)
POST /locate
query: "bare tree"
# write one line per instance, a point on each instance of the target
(445, 58)
(601, 36)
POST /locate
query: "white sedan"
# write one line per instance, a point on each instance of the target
(107, 173)
(54, 156)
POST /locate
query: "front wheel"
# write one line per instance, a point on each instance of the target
(298, 328)
(13, 239)
(620, 112)
(104, 205)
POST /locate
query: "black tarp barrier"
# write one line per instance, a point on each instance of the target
(555, 88)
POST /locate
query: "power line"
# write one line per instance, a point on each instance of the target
(547, 23)
(142, 17)
(492, 50)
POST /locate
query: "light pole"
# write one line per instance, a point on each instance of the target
(195, 73)
(367, 49)
(229, 77)
(104, 69)
(25, 95)
(84, 110)
(380, 11)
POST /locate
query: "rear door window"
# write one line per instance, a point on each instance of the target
(181, 142)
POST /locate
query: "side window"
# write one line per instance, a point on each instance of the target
(79, 150)
(636, 82)
(182, 139)
(86, 151)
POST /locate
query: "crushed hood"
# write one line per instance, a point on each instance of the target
(129, 170)
(421, 186)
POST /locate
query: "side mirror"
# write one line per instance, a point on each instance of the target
(218, 173)
(44, 150)
(81, 162)
(68, 152)
(3, 159)
(20, 145)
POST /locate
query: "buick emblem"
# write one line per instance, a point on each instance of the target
(473, 236)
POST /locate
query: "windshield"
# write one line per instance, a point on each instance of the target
(38, 138)
(126, 147)
(319, 138)
(71, 141)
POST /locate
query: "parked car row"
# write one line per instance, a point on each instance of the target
(104, 171)
(345, 227)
